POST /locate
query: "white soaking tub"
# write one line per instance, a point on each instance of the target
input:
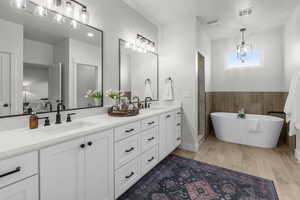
(255, 130)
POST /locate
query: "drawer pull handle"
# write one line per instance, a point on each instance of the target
(178, 124)
(129, 150)
(129, 176)
(168, 116)
(151, 123)
(150, 139)
(90, 143)
(82, 146)
(178, 138)
(130, 130)
(151, 159)
(179, 113)
(18, 169)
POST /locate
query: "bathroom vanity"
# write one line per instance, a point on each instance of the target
(92, 158)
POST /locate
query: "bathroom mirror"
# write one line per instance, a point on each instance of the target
(45, 60)
(138, 72)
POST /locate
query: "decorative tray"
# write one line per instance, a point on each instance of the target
(123, 113)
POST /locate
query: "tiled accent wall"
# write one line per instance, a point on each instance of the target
(254, 103)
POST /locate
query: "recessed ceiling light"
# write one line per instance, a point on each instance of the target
(90, 34)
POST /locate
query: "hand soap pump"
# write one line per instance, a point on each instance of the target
(33, 121)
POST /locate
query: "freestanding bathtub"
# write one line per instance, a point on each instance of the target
(255, 130)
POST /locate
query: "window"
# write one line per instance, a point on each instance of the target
(253, 60)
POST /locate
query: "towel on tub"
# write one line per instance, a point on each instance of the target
(254, 125)
(292, 106)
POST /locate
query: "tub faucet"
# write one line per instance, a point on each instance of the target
(241, 114)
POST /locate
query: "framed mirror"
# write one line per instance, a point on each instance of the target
(44, 61)
(138, 72)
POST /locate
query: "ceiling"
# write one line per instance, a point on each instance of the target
(266, 13)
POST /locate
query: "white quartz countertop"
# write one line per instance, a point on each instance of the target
(19, 141)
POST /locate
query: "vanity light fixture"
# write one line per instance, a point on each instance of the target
(72, 9)
(19, 4)
(141, 44)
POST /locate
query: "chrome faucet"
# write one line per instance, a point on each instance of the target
(60, 106)
(147, 99)
(138, 101)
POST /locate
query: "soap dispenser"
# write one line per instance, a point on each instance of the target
(33, 121)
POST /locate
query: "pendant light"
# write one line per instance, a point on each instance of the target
(243, 49)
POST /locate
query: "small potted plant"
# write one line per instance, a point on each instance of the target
(95, 95)
(114, 95)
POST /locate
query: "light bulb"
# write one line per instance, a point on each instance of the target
(19, 4)
(74, 24)
(90, 34)
(69, 8)
(84, 16)
(49, 4)
(58, 18)
(40, 11)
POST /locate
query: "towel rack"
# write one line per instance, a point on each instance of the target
(148, 80)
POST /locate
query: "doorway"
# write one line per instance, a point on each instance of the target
(201, 97)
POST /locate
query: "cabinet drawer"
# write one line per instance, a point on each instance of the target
(24, 190)
(18, 168)
(127, 130)
(126, 177)
(150, 122)
(149, 159)
(149, 138)
(126, 150)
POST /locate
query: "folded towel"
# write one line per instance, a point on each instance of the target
(148, 90)
(168, 92)
(254, 125)
(292, 106)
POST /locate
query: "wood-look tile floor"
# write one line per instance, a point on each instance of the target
(277, 164)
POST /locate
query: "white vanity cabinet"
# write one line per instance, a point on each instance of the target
(169, 133)
(81, 169)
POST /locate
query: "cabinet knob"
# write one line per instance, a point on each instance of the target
(82, 146)
(90, 143)
(168, 116)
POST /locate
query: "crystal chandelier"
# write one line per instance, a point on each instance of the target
(243, 49)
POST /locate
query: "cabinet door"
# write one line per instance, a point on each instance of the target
(62, 171)
(99, 167)
(167, 134)
(24, 190)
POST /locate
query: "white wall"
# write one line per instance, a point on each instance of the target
(117, 20)
(267, 77)
(177, 51)
(204, 46)
(38, 53)
(291, 47)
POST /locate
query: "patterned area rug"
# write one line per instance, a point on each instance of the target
(177, 178)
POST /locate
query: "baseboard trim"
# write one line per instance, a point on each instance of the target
(297, 155)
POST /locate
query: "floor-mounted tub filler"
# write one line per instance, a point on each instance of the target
(255, 130)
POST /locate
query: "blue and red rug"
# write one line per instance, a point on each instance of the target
(177, 178)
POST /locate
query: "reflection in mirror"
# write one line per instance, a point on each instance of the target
(42, 62)
(138, 73)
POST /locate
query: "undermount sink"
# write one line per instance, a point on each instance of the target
(61, 128)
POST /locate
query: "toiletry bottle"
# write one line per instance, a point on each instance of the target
(33, 121)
